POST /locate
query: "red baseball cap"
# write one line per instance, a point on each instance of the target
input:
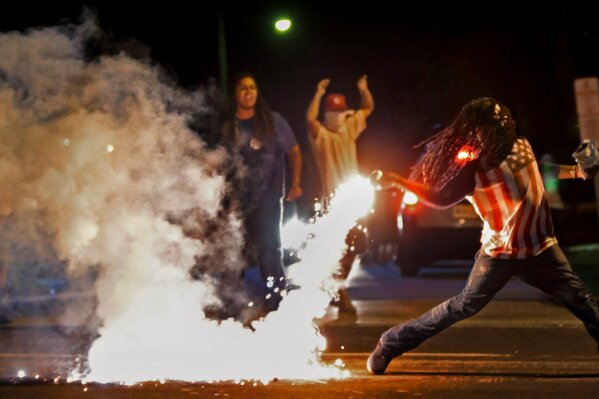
(335, 102)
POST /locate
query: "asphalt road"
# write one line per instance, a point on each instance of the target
(521, 346)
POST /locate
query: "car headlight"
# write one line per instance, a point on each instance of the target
(410, 198)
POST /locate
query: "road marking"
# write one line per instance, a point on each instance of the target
(38, 355)
(426, 355)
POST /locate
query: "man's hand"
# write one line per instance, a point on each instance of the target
(587, 159)
(362, 83)
(375, 177)
(294, 193)
(381, 180)
(321, 87)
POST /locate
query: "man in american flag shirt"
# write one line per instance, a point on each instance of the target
(501, 178)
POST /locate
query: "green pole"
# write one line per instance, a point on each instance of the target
(222, 53)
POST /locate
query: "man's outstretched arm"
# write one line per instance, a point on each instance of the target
(366, 100)
(312, 113)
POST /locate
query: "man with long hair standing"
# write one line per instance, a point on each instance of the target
(261, 138)
(501, 178)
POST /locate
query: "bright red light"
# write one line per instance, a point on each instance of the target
(466, 154)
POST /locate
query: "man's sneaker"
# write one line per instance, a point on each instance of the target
(379, 359)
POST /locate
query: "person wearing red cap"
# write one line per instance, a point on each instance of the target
(334, 140)
(333, 143)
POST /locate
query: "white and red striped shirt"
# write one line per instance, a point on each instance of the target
(511, 201)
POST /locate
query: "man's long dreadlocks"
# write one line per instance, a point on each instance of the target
(497, 133)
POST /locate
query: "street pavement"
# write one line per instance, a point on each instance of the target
(521, 345)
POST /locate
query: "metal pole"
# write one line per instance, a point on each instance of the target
(597, 194)
(586, 92)
(222, 53)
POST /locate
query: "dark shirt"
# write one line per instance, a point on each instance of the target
(266, 170)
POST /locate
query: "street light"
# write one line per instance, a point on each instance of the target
(283, 25)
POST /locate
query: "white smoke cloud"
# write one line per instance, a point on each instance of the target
(100, 154)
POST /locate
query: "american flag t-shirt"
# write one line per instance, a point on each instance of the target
(510, 199)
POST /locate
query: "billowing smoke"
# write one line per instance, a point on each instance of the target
(99, 152)
(97, 155)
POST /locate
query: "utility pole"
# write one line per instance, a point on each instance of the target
(587, 107)
(222, 53)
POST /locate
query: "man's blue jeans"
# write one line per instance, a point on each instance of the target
(263, 227)
(549, 271)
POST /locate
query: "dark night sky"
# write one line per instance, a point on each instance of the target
(423, 61)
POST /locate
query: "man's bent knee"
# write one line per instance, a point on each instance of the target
(467, 305)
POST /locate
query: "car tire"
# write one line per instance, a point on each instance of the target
(408, 260)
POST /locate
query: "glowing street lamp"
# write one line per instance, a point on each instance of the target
(283, 25)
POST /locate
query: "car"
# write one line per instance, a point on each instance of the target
(574, 212)
(428, 234)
